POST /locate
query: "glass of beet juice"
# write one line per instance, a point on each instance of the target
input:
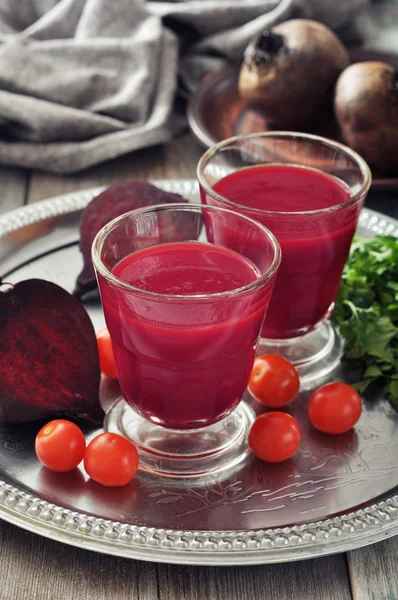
(184, 290)
(309, 192)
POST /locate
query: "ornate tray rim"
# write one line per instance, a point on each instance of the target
(347, 531)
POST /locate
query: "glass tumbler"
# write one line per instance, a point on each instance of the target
(184, 332)
(272, 177)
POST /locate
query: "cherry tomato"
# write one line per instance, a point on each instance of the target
(60, 445)
(111, 460)
(274, 381)
(106, 355)
(275, 436)
(334, 407)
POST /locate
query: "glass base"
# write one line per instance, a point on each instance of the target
(188, 452)
(315, 354)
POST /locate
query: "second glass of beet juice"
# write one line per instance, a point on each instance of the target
(309, 192)
(184, 290)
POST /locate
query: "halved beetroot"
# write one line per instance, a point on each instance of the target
(113, 202)
(48, 355)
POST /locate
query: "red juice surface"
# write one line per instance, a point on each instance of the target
(183, 362)
(186, 269)
(314, 246)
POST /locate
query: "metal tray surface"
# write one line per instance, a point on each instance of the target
(337, 493)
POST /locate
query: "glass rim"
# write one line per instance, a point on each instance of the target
(189, 206)
(353, 199)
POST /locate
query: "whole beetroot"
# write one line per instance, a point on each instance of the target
(289, 72)
(366, 107)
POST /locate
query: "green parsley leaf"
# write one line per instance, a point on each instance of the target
(366, 312)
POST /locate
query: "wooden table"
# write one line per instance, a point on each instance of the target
(34, 568)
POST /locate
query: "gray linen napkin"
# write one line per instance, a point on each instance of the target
(83, 81)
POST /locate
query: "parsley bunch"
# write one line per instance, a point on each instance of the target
(367, 314)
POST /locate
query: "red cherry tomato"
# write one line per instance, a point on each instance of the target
(275, 436)
(111, 460)
(60, 445)
(274, 381)
(334, 407)
(106, 355)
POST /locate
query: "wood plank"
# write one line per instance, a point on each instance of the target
(32, 567)
(13, 188)
(323, 579)
(176, 159)
(373, 571)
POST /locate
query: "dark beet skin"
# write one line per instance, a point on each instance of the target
(366, 107)
(113, 202)
(289, 72)
(49, 361)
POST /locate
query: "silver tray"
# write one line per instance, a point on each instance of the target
(336, 494)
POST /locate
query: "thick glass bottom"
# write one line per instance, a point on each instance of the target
(184, 453)
(315, 354)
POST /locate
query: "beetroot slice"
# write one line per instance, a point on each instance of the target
(113, 202)
(49, 361)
